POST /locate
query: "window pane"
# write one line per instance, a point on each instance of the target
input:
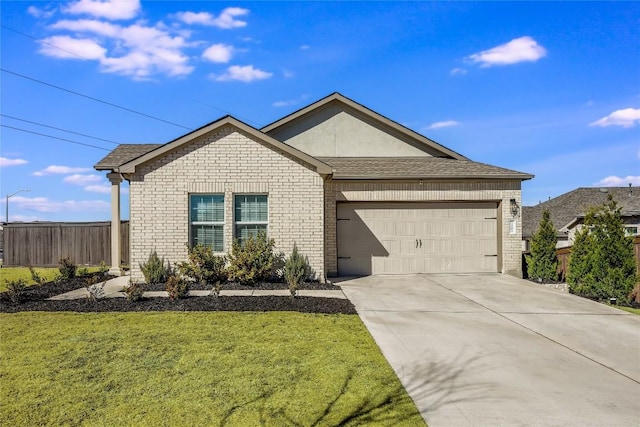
(208, 208)
(208, 235)
(244, 231)
(251, 208)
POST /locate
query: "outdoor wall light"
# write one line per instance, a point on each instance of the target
(514, 207)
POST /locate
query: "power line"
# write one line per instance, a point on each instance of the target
(54, 137)
(42, 41)
(94, 99)
(60, 129)
(84, 57)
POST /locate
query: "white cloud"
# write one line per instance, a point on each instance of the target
(103, 189)
(305, 47)
(39, 13)
(220, 53)
(616, 181)
(290, 102)
(627, 118)
(69, 48)
(109, 9)
(246, 73)
(24, 218)
(79, 179)
(88, 25)
(142, 50)
(4, 162)
(226, 20)
(517, 50)
(43, 204)
(445, 124)
(458, 72)
(62, 170)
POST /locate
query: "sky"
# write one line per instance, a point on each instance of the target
(551, 89)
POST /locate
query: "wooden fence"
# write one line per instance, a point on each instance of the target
(43, 244)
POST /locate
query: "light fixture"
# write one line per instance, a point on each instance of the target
(6, 217)
(514, 207)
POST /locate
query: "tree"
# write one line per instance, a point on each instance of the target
(602, 263)
(542, 263)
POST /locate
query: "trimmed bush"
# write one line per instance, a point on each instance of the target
(251, 261)
(134, 291)
(95, 290)
(295, 270)
(16, 289)
(67, 268)
(154, 270)
(35, 276)
(103, 269)
(204, 266)
(177, 287)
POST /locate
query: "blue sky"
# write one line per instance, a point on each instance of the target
(551, 89)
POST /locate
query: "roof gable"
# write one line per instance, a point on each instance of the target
(338, 126)
(565, 208)
(130, 165)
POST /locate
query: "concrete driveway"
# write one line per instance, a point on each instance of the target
(493, 350)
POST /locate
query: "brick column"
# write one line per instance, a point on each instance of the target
(115, 179)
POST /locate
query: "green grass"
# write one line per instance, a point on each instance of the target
(234, 369)
(15, 273)
(629, 309)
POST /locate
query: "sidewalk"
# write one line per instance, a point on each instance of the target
(113, 289)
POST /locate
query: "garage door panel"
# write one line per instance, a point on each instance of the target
(378, 238)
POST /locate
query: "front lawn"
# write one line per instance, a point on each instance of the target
(629, 309)
(195, 368)
(16, 273)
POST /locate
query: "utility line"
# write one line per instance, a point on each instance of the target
(84, 57)
(54, 137)
(60, 129)
(94, 99)
(42, 41)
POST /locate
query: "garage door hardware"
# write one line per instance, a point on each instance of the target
(492, 255)
(492, 217)
(418, 242)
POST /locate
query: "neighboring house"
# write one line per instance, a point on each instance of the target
(568, 210)
(358, 193)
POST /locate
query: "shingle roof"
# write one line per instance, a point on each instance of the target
(124, 153)
(566, 207)
(415, 168)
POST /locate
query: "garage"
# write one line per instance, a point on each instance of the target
(401, 238)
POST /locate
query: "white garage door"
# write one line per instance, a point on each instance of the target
(397, 238)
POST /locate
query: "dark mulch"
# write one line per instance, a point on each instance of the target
(223, 303)
(257, 286)
(35, 299)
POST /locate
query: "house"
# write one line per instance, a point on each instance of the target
(568, 210)
(357, 192)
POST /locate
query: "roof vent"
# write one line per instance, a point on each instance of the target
(604, 190)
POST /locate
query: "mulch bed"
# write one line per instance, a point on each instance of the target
(35, 299)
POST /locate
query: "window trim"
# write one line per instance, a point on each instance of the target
(222, 224)
(236, 223)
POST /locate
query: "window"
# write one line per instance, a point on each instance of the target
(207, 220)
(631, 231)
(251, 215)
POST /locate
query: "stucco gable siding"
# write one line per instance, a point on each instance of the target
(338, 131)
(225, 161)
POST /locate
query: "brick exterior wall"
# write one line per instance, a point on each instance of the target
(224, 161)
(509, 245)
